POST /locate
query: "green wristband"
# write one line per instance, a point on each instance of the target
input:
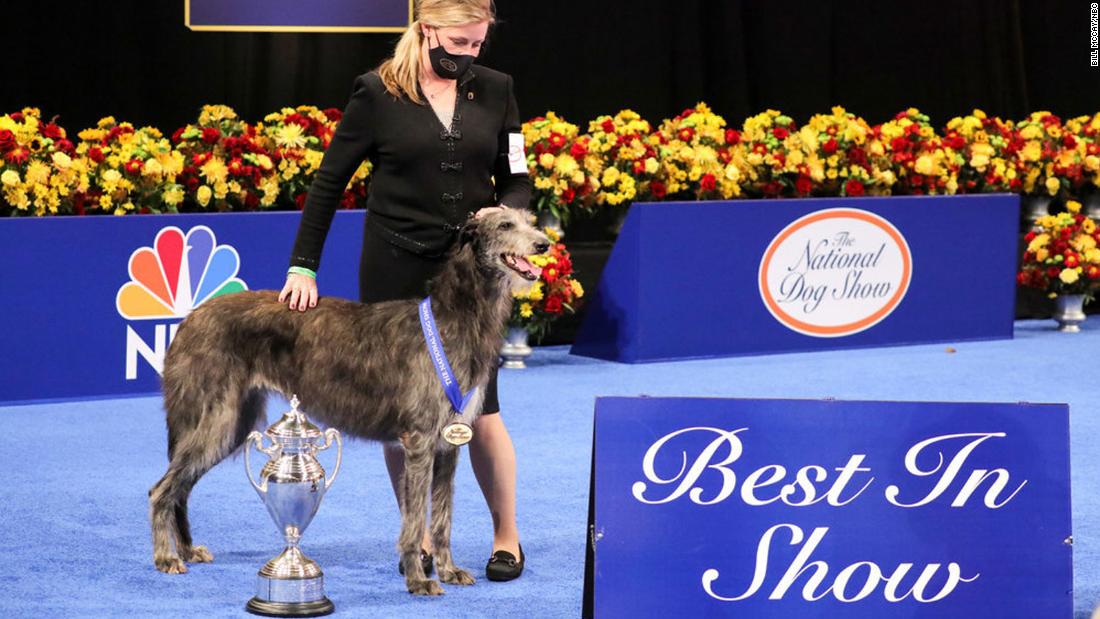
(302, 271)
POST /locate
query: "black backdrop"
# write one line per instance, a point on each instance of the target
(134, 59)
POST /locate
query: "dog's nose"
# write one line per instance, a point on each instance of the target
(541, 248)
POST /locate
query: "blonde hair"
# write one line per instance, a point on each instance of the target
(401, 71)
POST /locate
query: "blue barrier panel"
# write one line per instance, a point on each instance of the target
(93, 302)
(297, 16)
(804, 508)
(690, 280)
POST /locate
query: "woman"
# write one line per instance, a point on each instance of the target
(438, 130)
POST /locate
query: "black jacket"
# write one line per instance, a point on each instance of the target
(427, 178)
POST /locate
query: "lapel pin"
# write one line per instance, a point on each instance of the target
(470, 95)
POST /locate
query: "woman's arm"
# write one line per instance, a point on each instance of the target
(349, 146)
(512, 182)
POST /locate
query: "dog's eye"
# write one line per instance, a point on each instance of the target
(506, 226)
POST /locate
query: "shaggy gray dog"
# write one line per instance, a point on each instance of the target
(362, 368)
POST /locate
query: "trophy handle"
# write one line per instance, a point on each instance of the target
(331, 434)
(256, 437)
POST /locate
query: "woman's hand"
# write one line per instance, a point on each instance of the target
(487, 209)
(301, 290)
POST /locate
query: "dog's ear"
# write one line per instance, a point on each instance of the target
(469, 231)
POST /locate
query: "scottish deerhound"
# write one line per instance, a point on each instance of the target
(362, 368)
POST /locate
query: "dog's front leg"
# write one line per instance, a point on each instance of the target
(418, 470)
(443, 476)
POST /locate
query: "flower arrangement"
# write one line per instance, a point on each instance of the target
(628, 157)
(1062, 257)
(1079, 161)
(698, 156)
(836, 160)
(980, 145)
(920, 161)
(227, 166)
(129, 171)
(774, 158)
(297, 139)
(1036, 144)
(552, 295)
(554, 159)
(39, 172)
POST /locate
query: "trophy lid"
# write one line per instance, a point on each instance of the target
(294, 424)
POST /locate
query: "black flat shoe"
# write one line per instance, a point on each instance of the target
(503, 565)
(427, 562)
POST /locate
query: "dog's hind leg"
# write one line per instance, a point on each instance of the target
(220, 430)
(443, 476)
(418, 471)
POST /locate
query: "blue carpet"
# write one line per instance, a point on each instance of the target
(74, 539)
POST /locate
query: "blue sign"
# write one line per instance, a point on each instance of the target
(96, 300)
(297, 16)
(691, 280)
(801, 508)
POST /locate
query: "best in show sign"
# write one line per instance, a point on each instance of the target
(800, 508)
(689, 280)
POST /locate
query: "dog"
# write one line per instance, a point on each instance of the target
(361, 368)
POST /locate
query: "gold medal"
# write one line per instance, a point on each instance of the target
(458, 433)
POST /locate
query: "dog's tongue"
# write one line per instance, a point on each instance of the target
(523, 263)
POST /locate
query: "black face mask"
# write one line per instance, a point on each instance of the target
(447, 65)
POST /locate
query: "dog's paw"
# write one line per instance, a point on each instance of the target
(456, 576)
(198, 554)
(424, 587)
(170, 565)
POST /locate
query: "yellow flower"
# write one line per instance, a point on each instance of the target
(610, 176)
(1068, 276)
(1031, 151)
(1053, 186)
(1088, 225)
(152, 167)
(203, 195)
(37, 173)
(925, 165)
(214, 171)
(291, 135)
(9, 178)
(552, 234)
(546, 160)
(578, 291)
(651, 165)
(173, 195)
(535, 293)
(525, 310)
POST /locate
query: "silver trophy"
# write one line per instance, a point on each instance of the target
(291, 485)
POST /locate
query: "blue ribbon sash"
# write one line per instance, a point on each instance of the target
(439, 358)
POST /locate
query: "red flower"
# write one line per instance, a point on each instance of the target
(1071, 261)
(1093, 272)
(65, 146)
(608, 126)
(1069, 141)
(803, 185)
(780, 132)
(708, 182)
(17, 117)
(578, 150)
(251, 200)
(553, 304)
(192, 183)
(133, 166)
(96, 155)
(1052, 272)
(568, 195)
(733, 136)
(333, 114)
(686, 134)
(639, 167)
(830, 146)
(7, 140)
(657, 188)
(53, 132)
(177, 135)
(1022, 278)
(210, 135)
(557, 140)
(853, 187)
(300, 201)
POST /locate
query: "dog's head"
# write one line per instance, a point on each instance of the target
(502, 239)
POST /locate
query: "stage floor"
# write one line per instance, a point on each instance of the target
(75, 540)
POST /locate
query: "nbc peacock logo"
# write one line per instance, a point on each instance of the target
(176, 274)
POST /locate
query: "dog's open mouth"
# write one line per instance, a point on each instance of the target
(521, 265)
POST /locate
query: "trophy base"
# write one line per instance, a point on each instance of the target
(267, 608)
